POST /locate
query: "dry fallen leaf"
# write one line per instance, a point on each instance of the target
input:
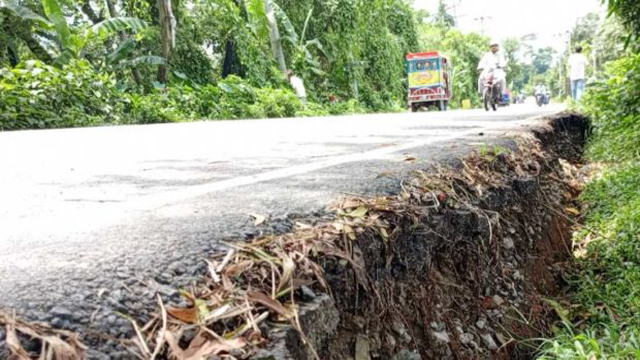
(213, 348)
(56, 344)
(14, 344)
(359, 212)
(275, 305)
(350, 232)
(237, 269)
(303, 226)
(288, 268)
(573, 211)
(187, 315)
(351, 203)
(258, 219)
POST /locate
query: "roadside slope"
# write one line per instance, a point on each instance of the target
(93, 258)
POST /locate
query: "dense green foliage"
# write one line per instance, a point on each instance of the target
(614, 104)
(603, 321)
(35, 95)
(331, 45)
(629, 12)
(606, 282)
(351, 51)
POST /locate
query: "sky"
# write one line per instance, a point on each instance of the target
(548, 19)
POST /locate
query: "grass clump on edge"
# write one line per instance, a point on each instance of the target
(605, 300)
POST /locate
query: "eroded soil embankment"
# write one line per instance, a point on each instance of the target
(464, 266)
(457, 265)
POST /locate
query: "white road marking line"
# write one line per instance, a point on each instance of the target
(158, 200)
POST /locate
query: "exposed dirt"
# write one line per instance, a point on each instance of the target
(465, 276)
(469, 281)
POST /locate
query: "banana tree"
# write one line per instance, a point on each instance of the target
(73, 43)
(302, 56)
(274, 34)
(265, 17)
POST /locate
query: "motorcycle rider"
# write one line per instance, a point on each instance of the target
(541, 89)
(493, 61)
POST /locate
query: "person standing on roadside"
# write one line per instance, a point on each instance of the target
(577, 70)
(298, 86)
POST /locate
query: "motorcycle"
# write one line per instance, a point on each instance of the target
(542, 99)
(492, 90)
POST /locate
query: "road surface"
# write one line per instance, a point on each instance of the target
(97, 219)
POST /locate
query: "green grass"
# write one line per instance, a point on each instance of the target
(605, 282)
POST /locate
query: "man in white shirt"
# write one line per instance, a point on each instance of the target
(577, 69)
(493, 61)
(298, 86)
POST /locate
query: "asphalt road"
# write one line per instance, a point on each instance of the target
(95, 220)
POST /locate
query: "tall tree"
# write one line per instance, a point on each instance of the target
(168, 26)
(231, 64)
(443, 18)
(512, 48)
(629, 13)
(585, 29)
(542, 59)
(87, 9)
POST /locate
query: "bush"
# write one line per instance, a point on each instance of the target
(606, 283)
(36, 96)
(313, 109)
(614, 106)
(276, 103)
(347, 108)
(150, 109)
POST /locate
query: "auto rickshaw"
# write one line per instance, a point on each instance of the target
(429, 80)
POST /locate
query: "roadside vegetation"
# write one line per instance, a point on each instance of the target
(601, 319)
(80, 63)
(99, 62)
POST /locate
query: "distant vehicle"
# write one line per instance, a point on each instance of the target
(542, 98)
(506, 98)
(430, 79)
(542, 95)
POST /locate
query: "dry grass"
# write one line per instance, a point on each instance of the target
(261, 280)
(54, 344)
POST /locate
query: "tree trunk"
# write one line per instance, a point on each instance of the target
(112, 9)
(168, 25)
(231, 65)
(14, 56)
(137, 77)
(91, 14)
(274, 35)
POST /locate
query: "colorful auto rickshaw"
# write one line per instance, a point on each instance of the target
(429, 80)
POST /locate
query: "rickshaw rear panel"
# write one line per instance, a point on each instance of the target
(429, 76)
